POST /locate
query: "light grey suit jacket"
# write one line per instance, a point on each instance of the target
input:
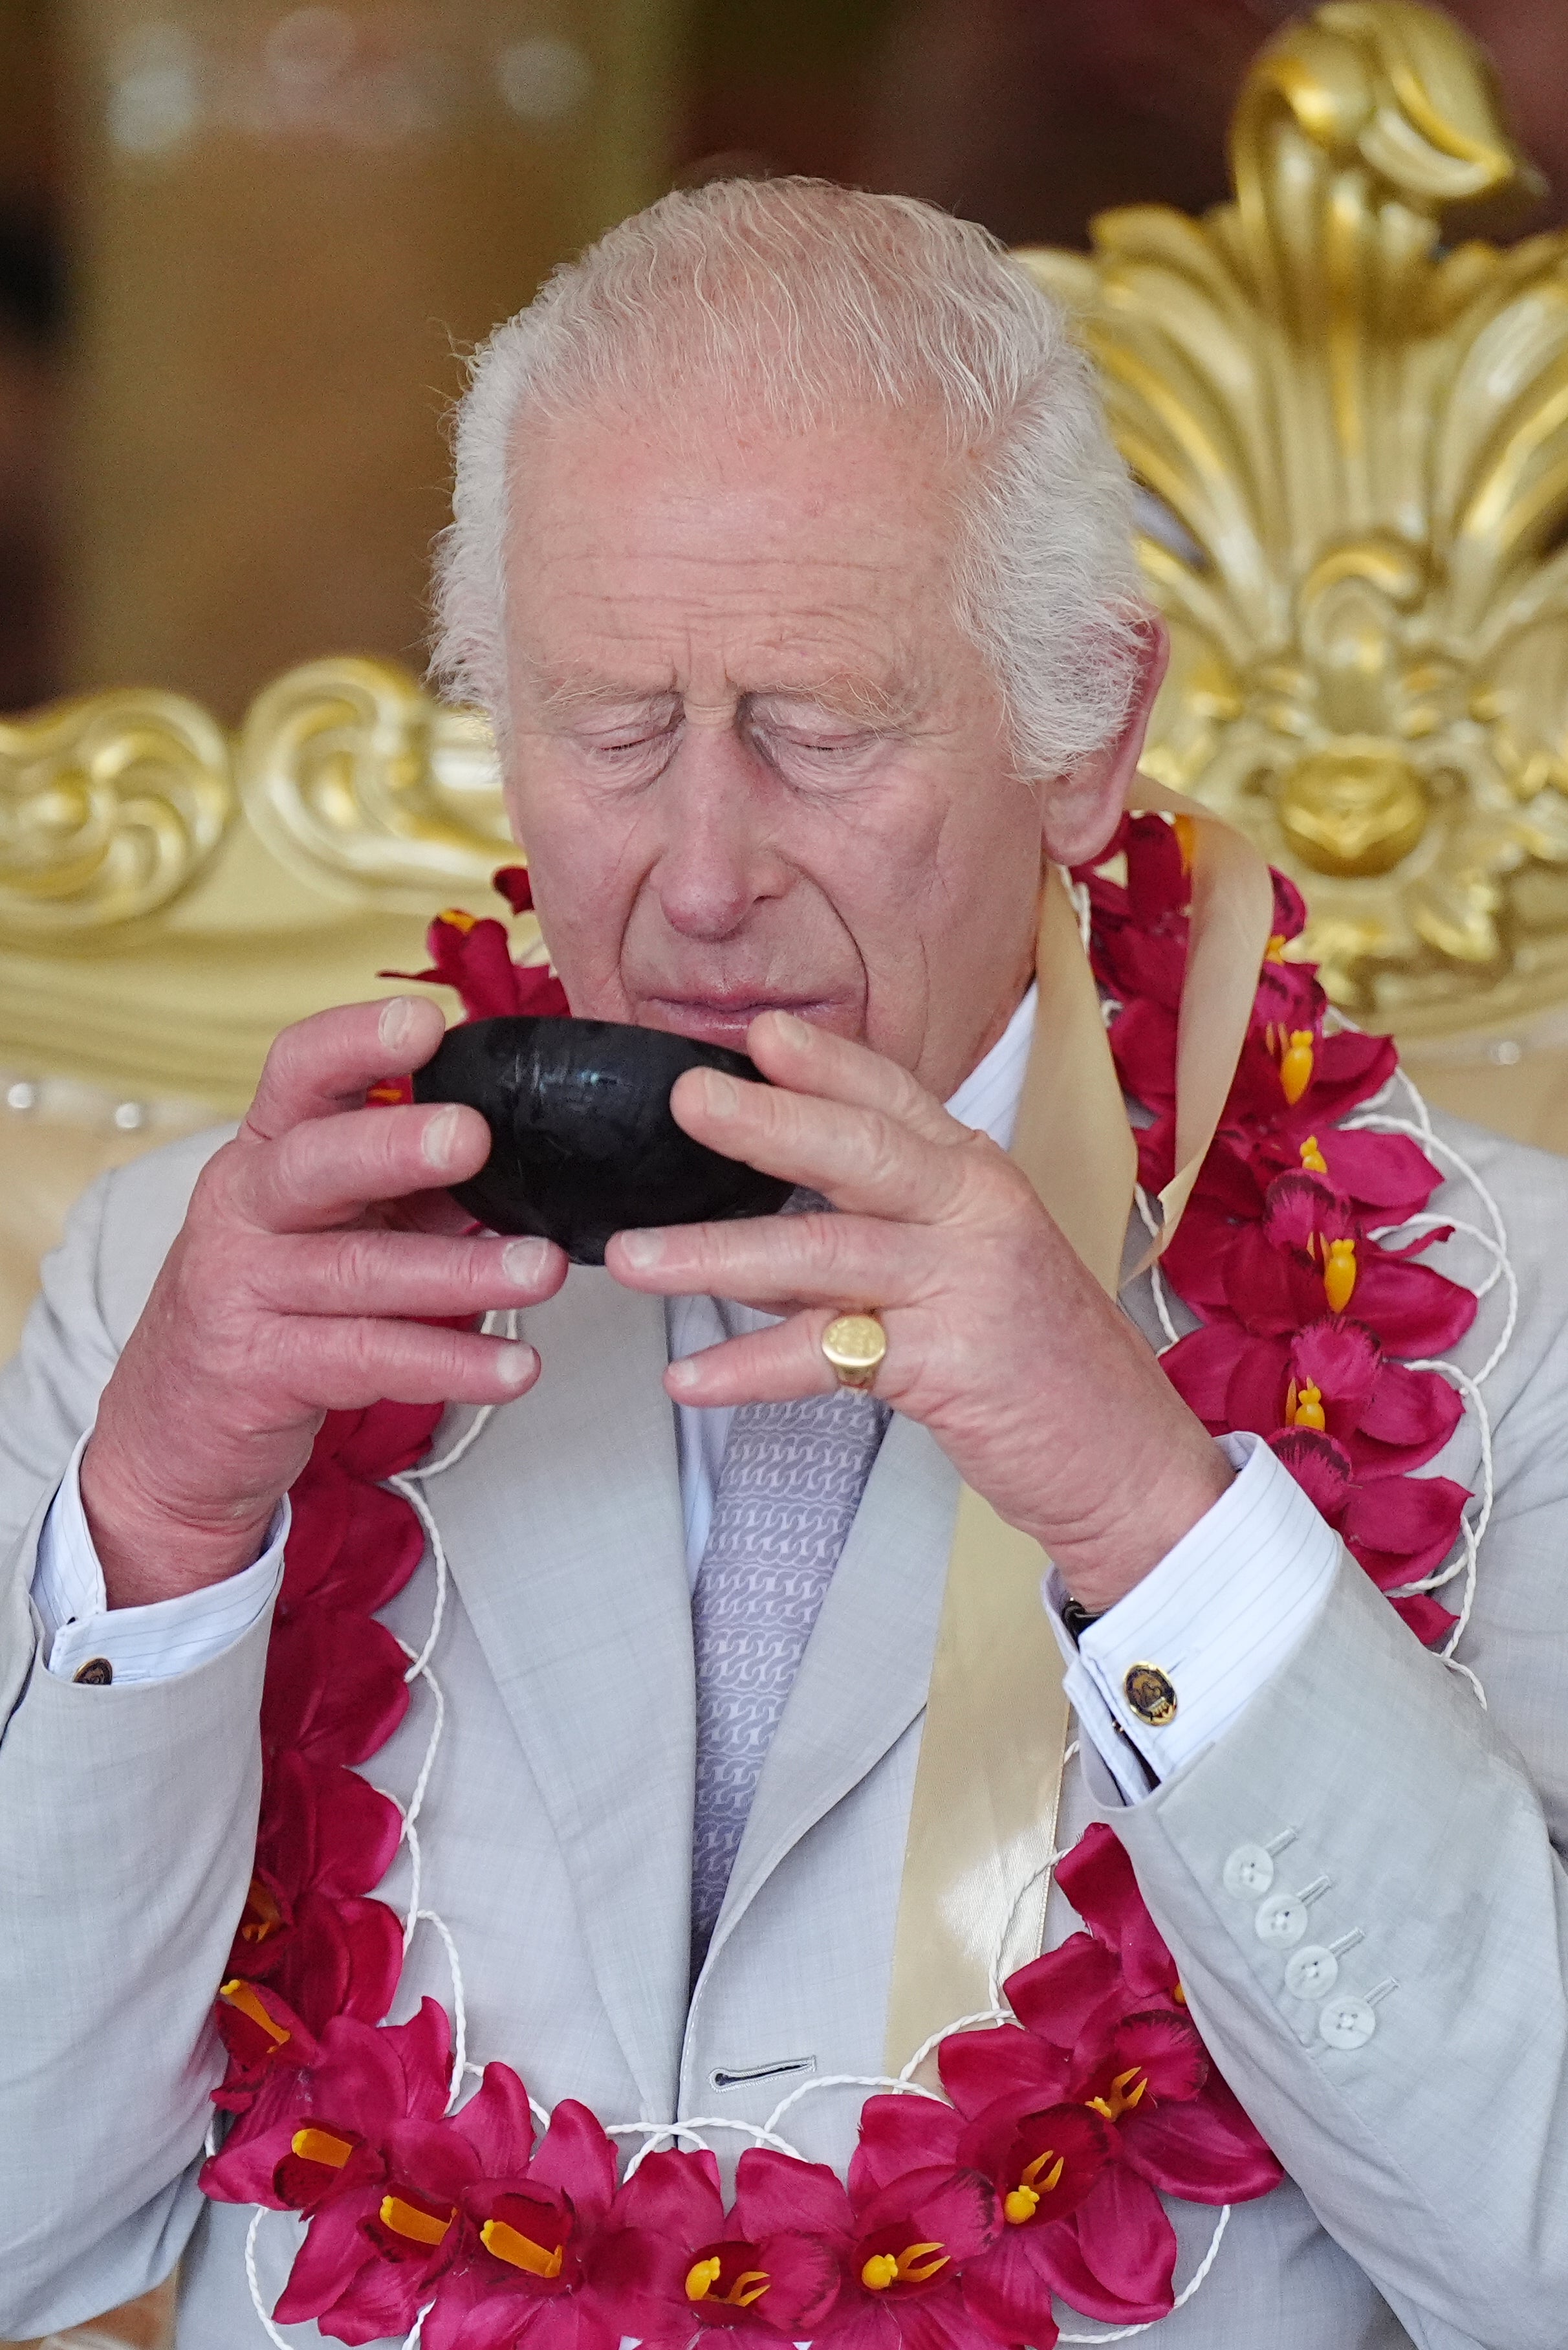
(1430, 2199)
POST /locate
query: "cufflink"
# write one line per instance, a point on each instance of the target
(97, 1673)
(1150, 1693)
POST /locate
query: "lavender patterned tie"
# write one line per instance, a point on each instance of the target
(791, 1482)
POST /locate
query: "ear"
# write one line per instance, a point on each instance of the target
(1080, 809)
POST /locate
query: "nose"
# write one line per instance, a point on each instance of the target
(717, 857)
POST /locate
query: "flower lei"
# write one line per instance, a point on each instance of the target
(476, 2225)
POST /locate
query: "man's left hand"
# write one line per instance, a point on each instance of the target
(1043, 1394)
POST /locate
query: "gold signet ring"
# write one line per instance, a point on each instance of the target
(854, 1346)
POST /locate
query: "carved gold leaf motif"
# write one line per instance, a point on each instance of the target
(367, 789)
(111, 807)
(1353, 441)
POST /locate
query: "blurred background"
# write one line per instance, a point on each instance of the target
(243, 246)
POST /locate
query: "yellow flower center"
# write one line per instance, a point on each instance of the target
(414, 2220)
(518, 2251)
(320, 2146)
(1339, 1275)
(1313, 1160)
(913, 2265)
(240, 1995)
(1124, 2095)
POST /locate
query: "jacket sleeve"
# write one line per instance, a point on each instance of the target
(126, 1828)
(1361, 1884)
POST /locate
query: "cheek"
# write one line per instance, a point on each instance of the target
(584, 884)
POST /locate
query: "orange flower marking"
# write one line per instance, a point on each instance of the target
(1126, 2091)
(1338, 1282)
(703, 2275)
(320, 2146)
(240, 1995)
(1296, 1065)
(459, 920)
(1304, 1409)
(1275, 949)
(518, 2251)
(262, 1915)
(421, 2223)
(911, 2266)
(1186, 830)
(1023, 2201)
(1313, 1160)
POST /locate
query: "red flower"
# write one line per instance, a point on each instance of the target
(1387, 1419)
(326, 1837)
(350, 1543)
(1100, 2096)
(473, 954)
(916, 2220)
(1400, 1529)
(342, 2097)
(687, 2272)
(534, 2221)
(1311, 1254)
(335, 1690)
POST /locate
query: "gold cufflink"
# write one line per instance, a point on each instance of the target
(97, 1673)
(1150, 1693)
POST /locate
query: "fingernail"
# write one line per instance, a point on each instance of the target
(439, 1138)
(642, 1250)
(399, 1023)
(791, 1026)
(723, 1095)
(517, 1365)
(684, 1375)
(524, 1262)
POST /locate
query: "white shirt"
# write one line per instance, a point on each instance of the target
(1218, 1616)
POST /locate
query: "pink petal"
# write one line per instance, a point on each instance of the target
(498, 2123)
(1207, 2151)
(574, 2157)
(979, 2066)
(1054, 1994)
(675, 2195)
(1008, 2293)
(334, 2251)
(901, 2134)
(776, 2191)
(1114, 2259)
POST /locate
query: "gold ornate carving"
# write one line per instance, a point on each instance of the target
(368, 790)
(110, 807)
(1353, 437)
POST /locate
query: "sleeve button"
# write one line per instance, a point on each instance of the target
(1249, 1871)
(1345, 2022)
(1311, 1972)
(97, 1673)
(1281, 1920)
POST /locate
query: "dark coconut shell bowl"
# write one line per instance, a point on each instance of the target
(583, 1142)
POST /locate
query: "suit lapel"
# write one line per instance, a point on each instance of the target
(864, 1677)
(563, 1527)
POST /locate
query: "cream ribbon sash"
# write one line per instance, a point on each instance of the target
(983, 1820)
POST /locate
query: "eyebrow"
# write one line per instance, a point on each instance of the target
(883, 708)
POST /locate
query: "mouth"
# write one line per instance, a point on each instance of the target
(720, 1019)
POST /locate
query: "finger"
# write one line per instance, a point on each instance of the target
(806, 1059)
(324, 1171)
(345, 1366)
(779, 1365)
(866, 1161)
(330, 1062)
(395, 1273)
(779, 1263)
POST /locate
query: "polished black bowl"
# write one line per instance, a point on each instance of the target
(583, 1141)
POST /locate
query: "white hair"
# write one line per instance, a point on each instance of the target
(806, 299)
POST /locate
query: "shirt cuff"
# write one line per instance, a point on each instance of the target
(137, 1644)
(1205, 1629)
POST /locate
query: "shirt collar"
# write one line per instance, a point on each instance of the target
(990, 1095)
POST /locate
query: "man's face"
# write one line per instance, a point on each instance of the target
(751, 757)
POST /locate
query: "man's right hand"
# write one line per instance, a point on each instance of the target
(318, 1249)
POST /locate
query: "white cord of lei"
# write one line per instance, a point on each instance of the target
(1377, 1117)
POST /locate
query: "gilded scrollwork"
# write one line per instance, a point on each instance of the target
(110, 807)
(368, 790)
(1353, 437)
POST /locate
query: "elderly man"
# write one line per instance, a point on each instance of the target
(792, 561)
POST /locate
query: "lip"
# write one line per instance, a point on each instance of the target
(724, 1019)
